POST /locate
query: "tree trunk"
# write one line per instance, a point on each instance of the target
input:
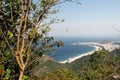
(21, 74)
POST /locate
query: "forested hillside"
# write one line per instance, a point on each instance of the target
(102, 65)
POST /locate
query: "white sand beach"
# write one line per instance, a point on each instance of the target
(81, 55)
(98, 46)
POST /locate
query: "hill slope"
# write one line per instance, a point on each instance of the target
(102, 65)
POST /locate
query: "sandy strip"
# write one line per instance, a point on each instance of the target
(81, 55)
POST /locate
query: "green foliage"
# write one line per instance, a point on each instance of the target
(100, 66)
(25, 77)
(26, 33)
(43, 66)
(10, 34)
(24, 29)
(79, 63)
(8, 28)
(7, 74)
(60, 74)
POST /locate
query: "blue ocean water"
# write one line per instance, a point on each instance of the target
(69, 51)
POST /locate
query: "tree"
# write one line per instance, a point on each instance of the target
(24, 25)
(102, 65)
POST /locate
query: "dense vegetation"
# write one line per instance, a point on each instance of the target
(24, 27)
(102, 65)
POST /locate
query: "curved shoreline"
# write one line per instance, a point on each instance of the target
(81, 55)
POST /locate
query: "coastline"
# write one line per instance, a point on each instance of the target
(82, 55)
(98, 46)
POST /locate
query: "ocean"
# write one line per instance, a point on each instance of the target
(69, 50)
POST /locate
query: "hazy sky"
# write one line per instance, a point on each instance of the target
(93, 18)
